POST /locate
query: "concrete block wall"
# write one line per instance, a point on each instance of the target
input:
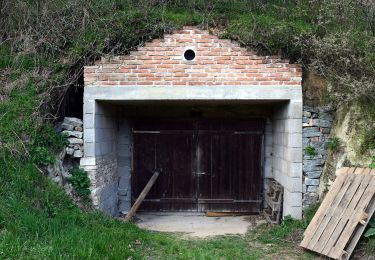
(287, 155)
(124, 158)
(100, 158)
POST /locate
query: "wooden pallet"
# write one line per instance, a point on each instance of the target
(273, 199)
(343, 215)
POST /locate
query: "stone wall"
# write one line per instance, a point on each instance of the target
(317, 124)
(104, 181)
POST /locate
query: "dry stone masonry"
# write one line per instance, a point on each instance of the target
(73, 128)
(59, 172)
(317, 124)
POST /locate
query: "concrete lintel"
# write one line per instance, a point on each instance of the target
(141, 93)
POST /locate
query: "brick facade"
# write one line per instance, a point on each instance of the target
(217, 62)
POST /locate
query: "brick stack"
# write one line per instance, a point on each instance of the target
(72, 127)
(317, 124)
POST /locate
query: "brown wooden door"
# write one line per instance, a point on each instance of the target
(169, 148)
(206, 165)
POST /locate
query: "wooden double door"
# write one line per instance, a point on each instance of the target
(205, 165)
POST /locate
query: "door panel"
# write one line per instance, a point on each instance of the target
(206, 165)
(170, 152)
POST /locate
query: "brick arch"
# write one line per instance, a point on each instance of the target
(217, 62)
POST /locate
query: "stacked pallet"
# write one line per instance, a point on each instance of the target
(273, 199)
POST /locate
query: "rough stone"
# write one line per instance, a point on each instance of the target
(73, 121)
(311, 133)
(325, 130)
(312, 168)
(306, 114)
(76, 134)
(321, 123)
(78, 154)
(305, 120)
(310, 109)
(312, 188)
(75, 141)
(78, 128)
(313, 174)
(326, 116)
(67, 127)
(313, 182)
(314, 161)
(69, 150)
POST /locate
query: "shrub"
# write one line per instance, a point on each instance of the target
(81, 183)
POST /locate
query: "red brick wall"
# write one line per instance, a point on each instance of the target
(217, 62)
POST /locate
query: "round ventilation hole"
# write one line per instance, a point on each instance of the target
(189, 55)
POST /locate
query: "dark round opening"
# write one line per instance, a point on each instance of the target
(189, 55)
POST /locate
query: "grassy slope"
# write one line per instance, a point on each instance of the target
(37, 220)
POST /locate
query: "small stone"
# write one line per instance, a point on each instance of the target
(325, 130)
(67, 127)
(306, 114)
(314, 161)
(75, 141)
(78, 128)
(311, 131)
(312, 182)
(311, 167)
(324, 123)
(312, 188)
(310, 109)
(73, 121)
(78, 154)
(326, 116)
(73, 133)
(305, 120)
(69, 150)
(76, 147)
(313, 174)
(305, 125)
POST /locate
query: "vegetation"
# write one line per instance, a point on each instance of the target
(311, 151)
(333, 143)
(43, 47)
(81, 183)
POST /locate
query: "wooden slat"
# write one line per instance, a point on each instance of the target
(141, 197)
(339, 212)
(329, 213)
(359, 210)
(336, 186)
(341, 219)
(346, 214)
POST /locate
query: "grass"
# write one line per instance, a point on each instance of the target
(38, 221)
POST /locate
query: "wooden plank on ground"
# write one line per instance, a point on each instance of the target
(343, 215)
(141, 196)
(336, 186)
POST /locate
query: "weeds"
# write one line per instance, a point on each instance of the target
(333, 143)
(81, 183)
(311, 151)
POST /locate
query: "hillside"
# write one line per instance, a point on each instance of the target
(45, 44)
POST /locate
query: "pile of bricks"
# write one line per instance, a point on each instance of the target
(317, 124)
(72, 127)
